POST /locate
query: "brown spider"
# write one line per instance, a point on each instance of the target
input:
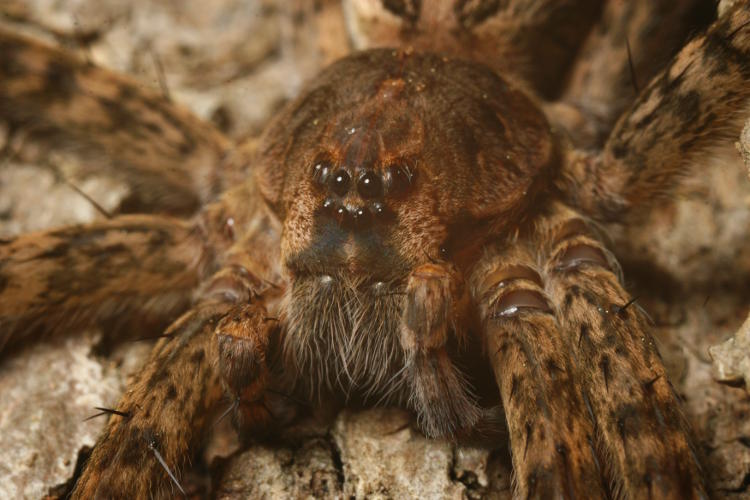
(410, 231)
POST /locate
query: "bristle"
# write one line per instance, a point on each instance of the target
(107, 411)
(152, 447)
(633, 79)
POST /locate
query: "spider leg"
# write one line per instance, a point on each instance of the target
(632, 41)
(168, 406)
(168, 156)
(551, 434)
(436, 303)
(698, 101)
(73, 277)
(587, 400)
(222, 341)
(645, 438)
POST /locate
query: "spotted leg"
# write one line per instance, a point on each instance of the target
(166, 412)
(630, 44)
(222, 341)
(73, 277)
(551, 433)
(643, 437)
(700, 100)
(169, 157)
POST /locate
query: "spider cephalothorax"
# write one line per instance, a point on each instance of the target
(422, 159)
(411, 231)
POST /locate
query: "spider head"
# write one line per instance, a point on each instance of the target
(393, 158)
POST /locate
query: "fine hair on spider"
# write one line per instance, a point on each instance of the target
(425, 226)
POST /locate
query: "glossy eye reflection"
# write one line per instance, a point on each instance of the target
(340, 182)
(370, 185)
(321, 171)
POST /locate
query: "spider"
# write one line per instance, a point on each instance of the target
(418, 228)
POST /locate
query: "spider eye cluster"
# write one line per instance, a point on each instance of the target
(356, 197)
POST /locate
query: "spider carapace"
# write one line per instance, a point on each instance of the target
(415, 229)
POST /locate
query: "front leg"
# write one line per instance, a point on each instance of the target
(167, 408)
(552, 436)
(437, 304)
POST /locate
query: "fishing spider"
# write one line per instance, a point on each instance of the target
(425, 227)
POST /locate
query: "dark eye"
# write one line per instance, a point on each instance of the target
(370, 185)
(398, 178)
(340, 182)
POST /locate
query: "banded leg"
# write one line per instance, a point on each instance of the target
(698, 101)
(644, 33)
(72, 277)
(551, 433)
(437, 302)
(170, 159)
(645, 438)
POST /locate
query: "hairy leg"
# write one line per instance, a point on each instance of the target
(170, 159)
(551, 433)
(167, 409)
(643, 436)
(644, 33)
(221, 342)
(73, 277)
(698, 101)
(436, 303)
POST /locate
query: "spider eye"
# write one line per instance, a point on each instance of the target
(398, 178)
(321, 171)
(370, 185)
(340, 182)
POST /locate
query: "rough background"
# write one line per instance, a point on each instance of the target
(234, 62)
